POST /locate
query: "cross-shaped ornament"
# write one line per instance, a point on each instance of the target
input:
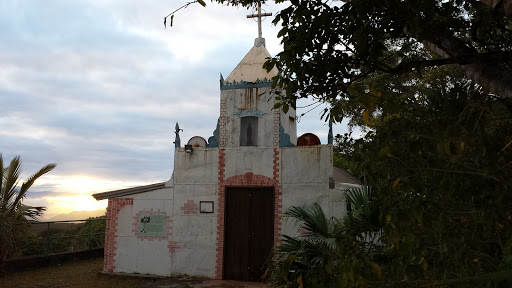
(259, 15)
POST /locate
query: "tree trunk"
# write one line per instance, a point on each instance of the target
(486, 71)
(503, 6)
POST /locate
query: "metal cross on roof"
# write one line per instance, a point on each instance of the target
(259, 15)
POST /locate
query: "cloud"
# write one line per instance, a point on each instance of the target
(97, 87)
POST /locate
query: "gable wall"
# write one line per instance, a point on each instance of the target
(125, 250)
(193, 243)
(195, 180)
(235, 101)
(188, 246)
(305, 179)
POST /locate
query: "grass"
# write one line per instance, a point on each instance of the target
(78, 274)
(86, 274)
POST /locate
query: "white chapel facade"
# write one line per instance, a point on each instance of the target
(220, 214)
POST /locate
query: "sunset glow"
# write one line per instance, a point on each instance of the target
(103, 106)
(73, 193)
(74, 203)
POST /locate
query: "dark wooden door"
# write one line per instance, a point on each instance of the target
(249, 234)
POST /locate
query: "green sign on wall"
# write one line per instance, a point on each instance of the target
(152, 225)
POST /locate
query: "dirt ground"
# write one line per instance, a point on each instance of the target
(87, 274)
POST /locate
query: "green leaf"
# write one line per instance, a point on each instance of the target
(328, 267)
(282, 32)
(384, 151)
(202, 3)
(366, 117)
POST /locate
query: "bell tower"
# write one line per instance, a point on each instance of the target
(247, 117)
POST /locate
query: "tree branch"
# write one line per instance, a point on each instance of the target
(184, 6)
(502, 6)
(460, 60)
(483, 69)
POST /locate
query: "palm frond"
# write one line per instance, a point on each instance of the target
(359, 198)
(32, 212)
(312, 219)
(1, 177)
(14, 215)
(11, 181)
(27, 184)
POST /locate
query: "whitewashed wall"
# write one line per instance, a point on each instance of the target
(262, 100)
(305, 179)
(135, 255)
(195, 178)
(305, 173)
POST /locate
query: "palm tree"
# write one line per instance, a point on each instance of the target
(14, 215)
(361, 206)
(307, 260)
(329, 252)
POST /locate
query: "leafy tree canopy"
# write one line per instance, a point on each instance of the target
(438, 158)
(440, 163)
(430, 84)
(330, 46)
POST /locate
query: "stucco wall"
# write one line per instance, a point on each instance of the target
(261, 99)
(305, 179)
(307, 164)
(195, 180)
(136, 254)
(189, 244)
(241, 160)
(198, 167)
(300, 176)
(337, 200)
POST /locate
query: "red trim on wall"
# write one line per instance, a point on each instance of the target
(221, 199)
(278, 197)
(190, 208)
(114, 206)
(220, 215)
(246, 180)
(171, 245)
(276, 175)
(222, 124)
(277, 122)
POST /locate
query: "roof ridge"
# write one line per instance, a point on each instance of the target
(128, 191)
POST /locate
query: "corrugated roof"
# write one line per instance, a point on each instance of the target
(342, 176)
(128, 191)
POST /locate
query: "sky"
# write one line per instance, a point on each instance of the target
(97, 86)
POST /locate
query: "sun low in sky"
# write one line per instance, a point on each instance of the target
(98, 86)
(73, 193)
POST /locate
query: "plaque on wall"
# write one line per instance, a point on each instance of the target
(152, 225)
(206, 206)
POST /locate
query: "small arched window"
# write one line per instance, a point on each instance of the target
(249, 131)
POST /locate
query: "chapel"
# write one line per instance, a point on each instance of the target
(220, 213)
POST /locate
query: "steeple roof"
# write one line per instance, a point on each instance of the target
(250, 68)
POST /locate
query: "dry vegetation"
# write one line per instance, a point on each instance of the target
(86, 274)
(78, 274)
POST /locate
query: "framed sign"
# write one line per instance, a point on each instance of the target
(206, 206)
(152, 225)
